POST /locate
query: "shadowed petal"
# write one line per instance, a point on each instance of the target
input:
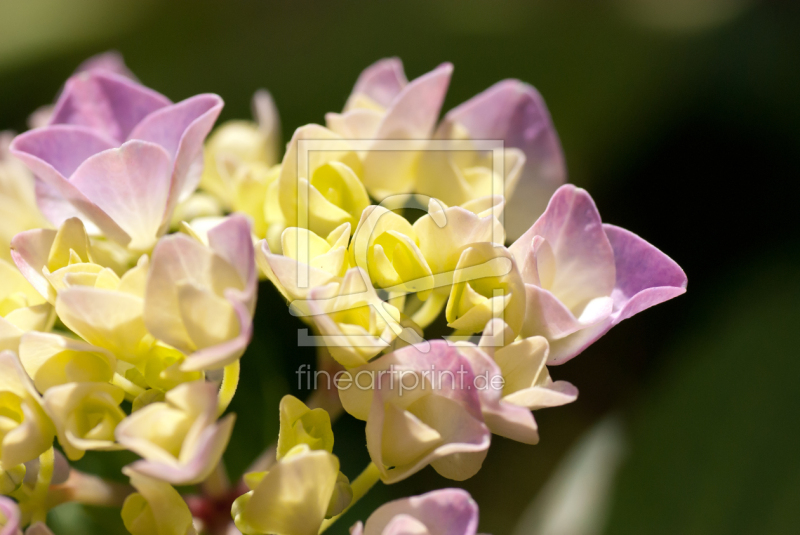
(503, 418)
(107, 319)
(57, 209)
(224, 353)
(180, 259)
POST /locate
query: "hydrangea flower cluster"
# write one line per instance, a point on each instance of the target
(136, 239)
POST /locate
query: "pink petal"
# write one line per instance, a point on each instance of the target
(54, 153)
(232, 240)
(130, 184)
(584, 259)
(181, 129)
(645, 275)
(110, 61)
(30, 251)
(546, 315)
(443, 357)
(209, 448)
(110, 103)
(357, 123)
(412, 115)
(57, 209)
(553, 394)
(382, 81)
(466, 440)
(414, 112)
(566, 348)
(504, 419)
(221, 355)
(443, 512)
(403, 524)
(10, 511)
(516, 113)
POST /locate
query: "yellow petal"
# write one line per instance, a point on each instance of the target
(70, 239)
(292, 498)
(156, 509)
(406, 438)
(52, 360)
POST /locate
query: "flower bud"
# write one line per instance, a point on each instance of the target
(421, 408)
(11, 478)
(200, 298)
(293, 498)
(324, 260)
(386, 246)
(52, 360)
(235, 145)
(301, 425)
(22, 309)
(341, 497)
(328, 192)
(85, 415)
(155, 509)
(162, 368)
(10, 517)
(25, 430)
(486, 285)
(353, 321)
(180, 439)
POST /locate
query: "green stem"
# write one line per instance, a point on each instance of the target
(39, 495)
(360, 485)
(319, 399)
(230, 381)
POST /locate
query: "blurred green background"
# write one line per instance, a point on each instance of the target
(682, 118)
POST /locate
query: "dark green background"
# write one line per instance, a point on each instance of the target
(688, 135)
